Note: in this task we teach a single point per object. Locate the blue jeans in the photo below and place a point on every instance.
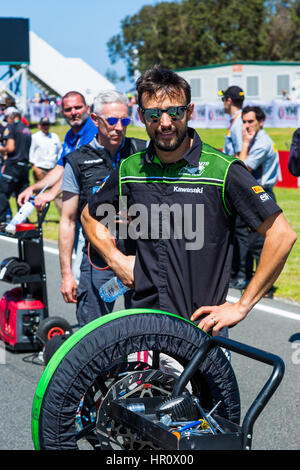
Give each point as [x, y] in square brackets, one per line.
[89, 303]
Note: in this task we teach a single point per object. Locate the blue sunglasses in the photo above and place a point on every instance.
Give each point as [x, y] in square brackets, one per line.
[112, 121]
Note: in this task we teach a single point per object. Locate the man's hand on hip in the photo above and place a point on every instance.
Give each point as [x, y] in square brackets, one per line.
[217, 317]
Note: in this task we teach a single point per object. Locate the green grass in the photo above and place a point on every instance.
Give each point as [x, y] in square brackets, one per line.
[215, 137]
[287, 285]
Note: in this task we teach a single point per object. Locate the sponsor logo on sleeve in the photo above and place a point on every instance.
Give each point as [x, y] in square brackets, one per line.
[258, 189]
[264, 197]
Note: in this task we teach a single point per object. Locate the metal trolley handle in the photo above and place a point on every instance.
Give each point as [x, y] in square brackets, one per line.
[42, 216]
[257, 354]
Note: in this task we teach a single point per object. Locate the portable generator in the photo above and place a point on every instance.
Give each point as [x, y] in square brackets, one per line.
[20, 317]
[23, 308]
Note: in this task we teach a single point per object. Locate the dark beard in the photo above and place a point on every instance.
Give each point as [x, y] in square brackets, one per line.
[168, 147]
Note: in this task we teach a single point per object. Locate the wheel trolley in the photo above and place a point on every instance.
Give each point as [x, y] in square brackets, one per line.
[95, 397]
[24, 309]
[179, 422]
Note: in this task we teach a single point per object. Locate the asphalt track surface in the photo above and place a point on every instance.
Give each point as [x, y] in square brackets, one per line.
[273, 326]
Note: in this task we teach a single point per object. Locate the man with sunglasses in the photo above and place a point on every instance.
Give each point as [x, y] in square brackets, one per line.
[85, 170]
[180, 180]
[233, 99]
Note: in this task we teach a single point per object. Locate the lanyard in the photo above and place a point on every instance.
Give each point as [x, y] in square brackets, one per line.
[235, 117]
[77, 143]
[116, 158]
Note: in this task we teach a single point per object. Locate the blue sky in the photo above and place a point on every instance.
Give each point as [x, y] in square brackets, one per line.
[78, 28]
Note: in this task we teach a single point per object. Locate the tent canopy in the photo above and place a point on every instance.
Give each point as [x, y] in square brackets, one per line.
[55, 74]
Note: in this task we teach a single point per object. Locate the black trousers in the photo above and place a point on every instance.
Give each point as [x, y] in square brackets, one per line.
[247, 247]
[241, 268]
[14, 180]
[256, 241]
[89, 303]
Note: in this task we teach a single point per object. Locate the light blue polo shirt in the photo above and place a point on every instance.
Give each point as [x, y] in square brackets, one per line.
[263, 159]
[233, 138]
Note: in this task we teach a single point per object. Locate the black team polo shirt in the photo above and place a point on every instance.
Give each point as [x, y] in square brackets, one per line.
[200, 194]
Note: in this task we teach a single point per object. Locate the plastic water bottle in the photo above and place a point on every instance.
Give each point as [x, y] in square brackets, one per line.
[24, 212]
[112, 289]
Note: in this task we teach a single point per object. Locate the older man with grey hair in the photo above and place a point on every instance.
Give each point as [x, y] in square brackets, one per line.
[85, 171]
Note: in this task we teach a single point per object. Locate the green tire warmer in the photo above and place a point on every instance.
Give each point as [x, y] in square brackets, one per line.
[93, 348]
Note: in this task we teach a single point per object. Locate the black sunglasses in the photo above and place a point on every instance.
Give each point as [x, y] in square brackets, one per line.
[176, 113]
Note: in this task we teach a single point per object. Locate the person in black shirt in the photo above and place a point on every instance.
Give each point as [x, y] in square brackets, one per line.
[294, 157]
[190, 194]
[14, 179]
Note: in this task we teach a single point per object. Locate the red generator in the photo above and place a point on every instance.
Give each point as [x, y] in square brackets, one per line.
[20, 317]
[25, 306]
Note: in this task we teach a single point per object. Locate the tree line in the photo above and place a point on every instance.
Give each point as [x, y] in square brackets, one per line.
[191, 33]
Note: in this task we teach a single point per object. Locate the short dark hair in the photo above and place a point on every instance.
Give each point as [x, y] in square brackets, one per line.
[238, 102]
[162, 80]
[10, 102]
[259, 114]
[73, 93]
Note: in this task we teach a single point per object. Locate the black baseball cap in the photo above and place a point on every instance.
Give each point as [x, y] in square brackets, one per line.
[44, 121]
[233, 92]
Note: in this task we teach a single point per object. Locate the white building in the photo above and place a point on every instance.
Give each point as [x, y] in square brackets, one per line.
[260, 80]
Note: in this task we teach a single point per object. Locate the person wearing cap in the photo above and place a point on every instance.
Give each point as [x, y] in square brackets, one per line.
[2, 111]
[260, 155]
[45, 149]
[10, 102]
[2, 122]
[16, 159]
[233, 99]
[44, 152]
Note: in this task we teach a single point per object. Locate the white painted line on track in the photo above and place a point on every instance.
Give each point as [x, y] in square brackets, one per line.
[269, 309]
[47, 249]
[264, 308]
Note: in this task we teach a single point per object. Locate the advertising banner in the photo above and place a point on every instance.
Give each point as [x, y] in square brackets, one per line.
[199, 119]
[36, 111]
[285, 114]
[215, 116]
[279, 113]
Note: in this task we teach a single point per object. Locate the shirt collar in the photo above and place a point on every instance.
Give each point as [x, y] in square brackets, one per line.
[258, 133]
[95, 144]
[75, 137]
[191, 156]
[235, 115]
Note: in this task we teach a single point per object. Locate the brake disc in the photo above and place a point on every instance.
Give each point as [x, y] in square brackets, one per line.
[115, 436]
[85, 420]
